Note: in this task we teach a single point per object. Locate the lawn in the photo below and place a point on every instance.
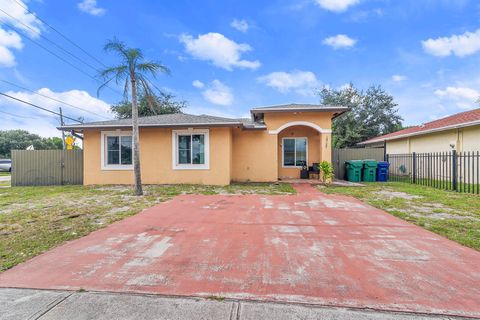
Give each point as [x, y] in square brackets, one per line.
[4, 173]
[36, 219]
[450, 214]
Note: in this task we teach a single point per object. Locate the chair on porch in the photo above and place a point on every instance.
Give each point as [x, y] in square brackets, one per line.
[314, 170]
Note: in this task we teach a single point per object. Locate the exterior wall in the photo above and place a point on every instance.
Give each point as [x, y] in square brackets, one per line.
[471, 139]
[276, 120]
[435, 142]
[397, 146]
[313, 145]
[254, 156]
[465, 139]
[156, 160]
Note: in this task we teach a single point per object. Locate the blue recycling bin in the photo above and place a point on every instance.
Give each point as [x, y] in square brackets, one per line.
[382, 171]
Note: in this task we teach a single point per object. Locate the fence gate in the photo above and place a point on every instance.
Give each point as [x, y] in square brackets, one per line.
[342, 155]
[47, 167]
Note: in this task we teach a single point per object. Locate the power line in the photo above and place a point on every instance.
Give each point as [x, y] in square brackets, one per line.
[50, 41]
[53, 99]
[60, 33]
[37, 106]
[16, 115]
[63, 59]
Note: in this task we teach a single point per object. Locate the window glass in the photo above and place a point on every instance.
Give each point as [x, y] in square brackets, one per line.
[113, 148]
[126, 150]
[184, 149]
[119, 150]
[198, 149]
[294, 152]
[289, 152]
[300, 152]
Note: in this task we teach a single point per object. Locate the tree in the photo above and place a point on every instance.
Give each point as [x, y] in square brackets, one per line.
[21, 139]
[372, 113]
[53, 143]
[132, 72]
[160, 104]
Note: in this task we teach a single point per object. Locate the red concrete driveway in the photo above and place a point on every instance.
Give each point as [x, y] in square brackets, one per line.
[308, 248]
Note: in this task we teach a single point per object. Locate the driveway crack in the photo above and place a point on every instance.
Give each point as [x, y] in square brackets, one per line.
[50, 306]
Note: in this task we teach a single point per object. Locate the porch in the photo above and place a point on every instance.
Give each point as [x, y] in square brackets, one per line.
[302, 145]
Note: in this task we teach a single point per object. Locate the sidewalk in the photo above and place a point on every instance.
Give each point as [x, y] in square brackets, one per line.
[31, 304]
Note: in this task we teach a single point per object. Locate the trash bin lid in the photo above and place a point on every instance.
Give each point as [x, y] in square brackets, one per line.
[370, 163]
[354, 163]
[383, 164]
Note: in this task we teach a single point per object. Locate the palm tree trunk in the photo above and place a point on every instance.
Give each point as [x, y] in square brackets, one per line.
[136, 144]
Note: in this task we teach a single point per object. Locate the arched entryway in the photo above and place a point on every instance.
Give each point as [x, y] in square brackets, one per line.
[300, 144]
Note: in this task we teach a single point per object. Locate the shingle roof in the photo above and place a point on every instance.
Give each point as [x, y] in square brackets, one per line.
[299, 107]
[462, 119]
[169, 120]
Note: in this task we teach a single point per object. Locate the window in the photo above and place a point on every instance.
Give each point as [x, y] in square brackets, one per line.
[117, 150]
[190, 149]
[294, 152]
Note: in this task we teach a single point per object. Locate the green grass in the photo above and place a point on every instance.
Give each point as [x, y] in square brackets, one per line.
[4, 183]
[3, 173]
[450, 214]
[36, 219]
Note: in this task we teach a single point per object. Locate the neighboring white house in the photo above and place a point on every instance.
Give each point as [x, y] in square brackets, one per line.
[460, 131]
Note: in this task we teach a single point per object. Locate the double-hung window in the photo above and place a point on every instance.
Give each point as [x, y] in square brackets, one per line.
[294, 152]
[190, 149]
[117, 150]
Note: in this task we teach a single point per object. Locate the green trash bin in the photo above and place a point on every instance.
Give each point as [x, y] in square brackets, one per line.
[369, 173]
[354, 170]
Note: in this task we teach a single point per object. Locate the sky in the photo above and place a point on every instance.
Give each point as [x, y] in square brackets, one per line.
[227, 56]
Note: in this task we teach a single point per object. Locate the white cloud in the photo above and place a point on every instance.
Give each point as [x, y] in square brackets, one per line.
[44, 123]
[198, 84]
[9, 40]
[399, 78]
[20, 18]
[218, 49]
[240, 25]
[463, 97]
[90, 7]
[336, 5]
[340, 41]
[302, 82]
[460, 45]
[218, 93]
[74, 97]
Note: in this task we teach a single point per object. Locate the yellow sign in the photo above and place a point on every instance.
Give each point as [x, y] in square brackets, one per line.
[69, 141]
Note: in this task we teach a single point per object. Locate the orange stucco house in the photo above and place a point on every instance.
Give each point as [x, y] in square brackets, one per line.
[198, 149]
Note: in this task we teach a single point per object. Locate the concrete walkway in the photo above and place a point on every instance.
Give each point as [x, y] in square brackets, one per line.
[5, 178]
[19, 304]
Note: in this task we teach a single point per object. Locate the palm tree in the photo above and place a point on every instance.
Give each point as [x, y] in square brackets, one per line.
[132, 72]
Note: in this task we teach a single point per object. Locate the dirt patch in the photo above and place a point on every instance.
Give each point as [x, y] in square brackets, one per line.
[389, 194]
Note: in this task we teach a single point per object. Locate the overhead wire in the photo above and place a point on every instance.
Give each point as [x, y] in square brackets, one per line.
[60, 33]
[39, 107]
[53, 99]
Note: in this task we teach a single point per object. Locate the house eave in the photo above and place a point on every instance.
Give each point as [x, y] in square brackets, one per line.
[290, 110]
[176, 125]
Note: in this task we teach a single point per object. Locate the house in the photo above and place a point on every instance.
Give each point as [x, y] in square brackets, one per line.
[199, 149]
[460, 131]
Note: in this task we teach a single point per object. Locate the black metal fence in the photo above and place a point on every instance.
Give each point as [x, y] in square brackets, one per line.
[457, 171]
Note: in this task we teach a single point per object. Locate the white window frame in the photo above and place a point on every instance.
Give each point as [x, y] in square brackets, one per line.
[103, 140]
[295, 160]
[178, 166]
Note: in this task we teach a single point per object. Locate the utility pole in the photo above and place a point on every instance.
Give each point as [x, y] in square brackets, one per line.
[61, 124]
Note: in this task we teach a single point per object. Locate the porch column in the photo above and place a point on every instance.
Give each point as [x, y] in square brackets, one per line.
[326, 146]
